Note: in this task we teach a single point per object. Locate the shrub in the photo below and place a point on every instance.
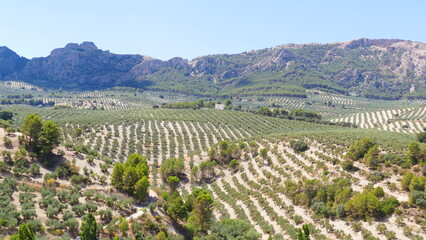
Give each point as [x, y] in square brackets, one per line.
[394, 158]
[77, 179]
[263, 153]
[34, 169]
[7, 142]
[61, 172]
[52, 212]
[390, 235]
[421, 137]
[234, 229]
[106, 214]
[67, 215]
[360, 148]
[356, 226]
[298, 219]
[224, 152]
[418, 198]
[79, 210]
[233, 164]
[152, 207]
[91, 206]
[4, 167]
[376, 176]
[348, 165]
[35, 225]
[299, 146]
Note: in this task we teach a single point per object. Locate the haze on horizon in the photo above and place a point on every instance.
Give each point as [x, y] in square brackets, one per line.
[188, 29]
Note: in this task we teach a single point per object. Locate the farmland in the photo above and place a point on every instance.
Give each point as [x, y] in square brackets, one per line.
[102, 128]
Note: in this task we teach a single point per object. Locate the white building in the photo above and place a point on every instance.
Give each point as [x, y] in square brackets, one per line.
[219, 106]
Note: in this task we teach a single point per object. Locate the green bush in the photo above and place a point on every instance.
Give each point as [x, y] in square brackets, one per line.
[131, 176]
[78, 179]
[299, 146]
[172, 167]
[376, 176]
[421, 137]
[418, 198]
[348, 165]
[233, 229]
[360, 148]
[233, 164]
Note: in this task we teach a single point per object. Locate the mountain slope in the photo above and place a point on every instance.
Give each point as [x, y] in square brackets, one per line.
[10, 62]
[78, 64]
[386, 69]
[381, 68]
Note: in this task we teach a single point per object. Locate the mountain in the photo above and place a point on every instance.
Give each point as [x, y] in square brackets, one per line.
[387, 69]
[10, 62]
[373, 68]
[77, 64]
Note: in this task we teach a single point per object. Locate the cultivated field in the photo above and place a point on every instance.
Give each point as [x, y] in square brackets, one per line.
[105, 127]
[407, 120]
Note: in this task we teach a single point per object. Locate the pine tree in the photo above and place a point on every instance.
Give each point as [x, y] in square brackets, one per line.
[141, 188]
[303, 233]
[117, 176]
[32, 128]
[203, 211]
[88, 228]
[177, 209]
[413, 153]
[50, 137]
[360, 148]
[371, 158]
[173, 183]
[25, 233]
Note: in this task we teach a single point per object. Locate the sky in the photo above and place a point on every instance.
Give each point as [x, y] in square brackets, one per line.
[191, 28]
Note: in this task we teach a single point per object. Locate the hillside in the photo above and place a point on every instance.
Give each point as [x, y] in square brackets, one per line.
[254, 166]
[265, 189]
[381, 68]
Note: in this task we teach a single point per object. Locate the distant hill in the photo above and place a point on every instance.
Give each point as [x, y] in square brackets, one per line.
[380, 68]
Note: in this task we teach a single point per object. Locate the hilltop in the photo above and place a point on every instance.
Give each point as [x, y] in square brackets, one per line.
[372, 68]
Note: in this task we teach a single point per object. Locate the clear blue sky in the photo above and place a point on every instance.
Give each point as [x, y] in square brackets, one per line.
[165, 29]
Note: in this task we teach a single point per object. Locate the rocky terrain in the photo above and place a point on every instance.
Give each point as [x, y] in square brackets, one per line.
[80, 64]
[380, 68]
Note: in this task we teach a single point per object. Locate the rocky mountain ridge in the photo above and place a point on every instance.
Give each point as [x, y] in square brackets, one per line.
[80, 64]
[376, 68]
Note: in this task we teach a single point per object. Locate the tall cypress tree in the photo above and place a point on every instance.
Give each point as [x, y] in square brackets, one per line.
[88, 228]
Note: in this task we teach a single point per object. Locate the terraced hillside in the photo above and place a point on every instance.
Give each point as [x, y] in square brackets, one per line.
[121, 98]
[256, 192]
[265, 185]
[407, 120]
[328, 104]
